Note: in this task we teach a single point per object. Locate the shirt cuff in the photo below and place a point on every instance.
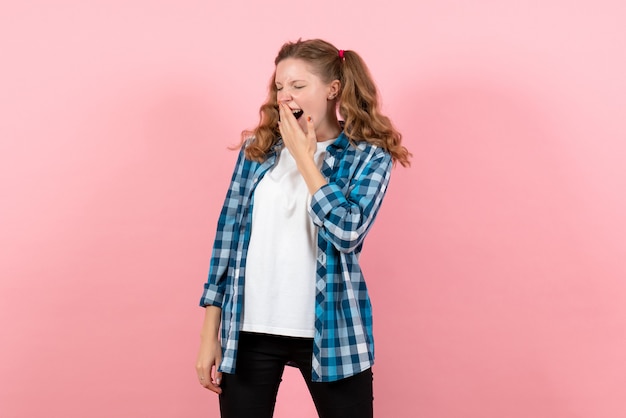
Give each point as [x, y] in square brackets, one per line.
[213, 295]
[324, 200]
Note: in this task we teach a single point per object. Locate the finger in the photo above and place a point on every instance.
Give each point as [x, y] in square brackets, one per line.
[213, 388]
[282, 112]
[280, 129]
[281, 119]
[208, 383]
[287, 116]
[216, 378]
[204, 376]
[214, 383]
[310, 129]
[204, 381]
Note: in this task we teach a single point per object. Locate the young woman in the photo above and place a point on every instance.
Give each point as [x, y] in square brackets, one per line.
[284, 282]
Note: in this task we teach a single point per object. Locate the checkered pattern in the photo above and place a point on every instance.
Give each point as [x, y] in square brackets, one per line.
[343, 210]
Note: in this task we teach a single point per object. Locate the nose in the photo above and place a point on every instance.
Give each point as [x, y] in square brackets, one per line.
[283, 96]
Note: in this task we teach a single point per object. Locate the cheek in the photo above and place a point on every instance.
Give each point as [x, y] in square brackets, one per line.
[311, 103]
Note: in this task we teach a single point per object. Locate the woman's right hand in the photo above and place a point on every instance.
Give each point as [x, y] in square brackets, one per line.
[210, 355]
[209, 359]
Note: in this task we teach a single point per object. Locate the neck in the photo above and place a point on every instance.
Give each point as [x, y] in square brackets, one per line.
[330, 130]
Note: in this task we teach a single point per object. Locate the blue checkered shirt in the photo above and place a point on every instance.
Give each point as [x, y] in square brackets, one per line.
[343, 210]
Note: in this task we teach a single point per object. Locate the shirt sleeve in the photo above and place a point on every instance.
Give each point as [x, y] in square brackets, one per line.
[215, 286]
[344, 218]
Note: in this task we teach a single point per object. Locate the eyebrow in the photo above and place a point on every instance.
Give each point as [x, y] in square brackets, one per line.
[293, 81]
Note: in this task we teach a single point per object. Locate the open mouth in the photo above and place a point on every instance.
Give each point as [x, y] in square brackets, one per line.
[297, 113]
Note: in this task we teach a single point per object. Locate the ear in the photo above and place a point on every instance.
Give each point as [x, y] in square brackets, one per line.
[333, 89]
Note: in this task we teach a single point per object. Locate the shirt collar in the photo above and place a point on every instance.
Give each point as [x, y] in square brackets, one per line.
[340, 143]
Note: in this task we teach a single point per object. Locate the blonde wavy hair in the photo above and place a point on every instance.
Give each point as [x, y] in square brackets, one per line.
[358, 102]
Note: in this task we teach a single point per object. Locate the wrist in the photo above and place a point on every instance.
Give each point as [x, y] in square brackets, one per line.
[209, 337]
[305, 163]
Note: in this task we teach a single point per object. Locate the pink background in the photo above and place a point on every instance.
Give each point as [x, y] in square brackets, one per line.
[497, 265]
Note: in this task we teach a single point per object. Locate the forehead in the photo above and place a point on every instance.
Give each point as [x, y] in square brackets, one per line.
[294, 69]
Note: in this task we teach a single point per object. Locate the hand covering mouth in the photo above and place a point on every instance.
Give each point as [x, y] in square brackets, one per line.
[297, 113]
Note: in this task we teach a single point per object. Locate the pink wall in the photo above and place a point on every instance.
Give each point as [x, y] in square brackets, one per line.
[497, 263]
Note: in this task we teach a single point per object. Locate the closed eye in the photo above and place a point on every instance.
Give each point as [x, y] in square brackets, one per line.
[295, 87]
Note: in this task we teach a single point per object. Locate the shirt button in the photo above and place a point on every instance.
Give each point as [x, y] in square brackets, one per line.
[322, 258]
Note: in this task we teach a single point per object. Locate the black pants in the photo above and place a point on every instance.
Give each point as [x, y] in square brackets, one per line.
[261, 359]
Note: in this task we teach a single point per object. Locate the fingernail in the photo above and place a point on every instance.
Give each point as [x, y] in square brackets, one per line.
[308, 118]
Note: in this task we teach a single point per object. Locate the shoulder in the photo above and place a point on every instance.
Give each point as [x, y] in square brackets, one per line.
[365, 151]
[359, 145]
[370, 148]
[360, 160]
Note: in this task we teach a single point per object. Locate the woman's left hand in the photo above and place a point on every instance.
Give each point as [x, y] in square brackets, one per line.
[300, 145]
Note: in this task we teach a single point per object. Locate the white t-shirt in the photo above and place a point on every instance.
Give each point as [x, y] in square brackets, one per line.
[279, 293]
